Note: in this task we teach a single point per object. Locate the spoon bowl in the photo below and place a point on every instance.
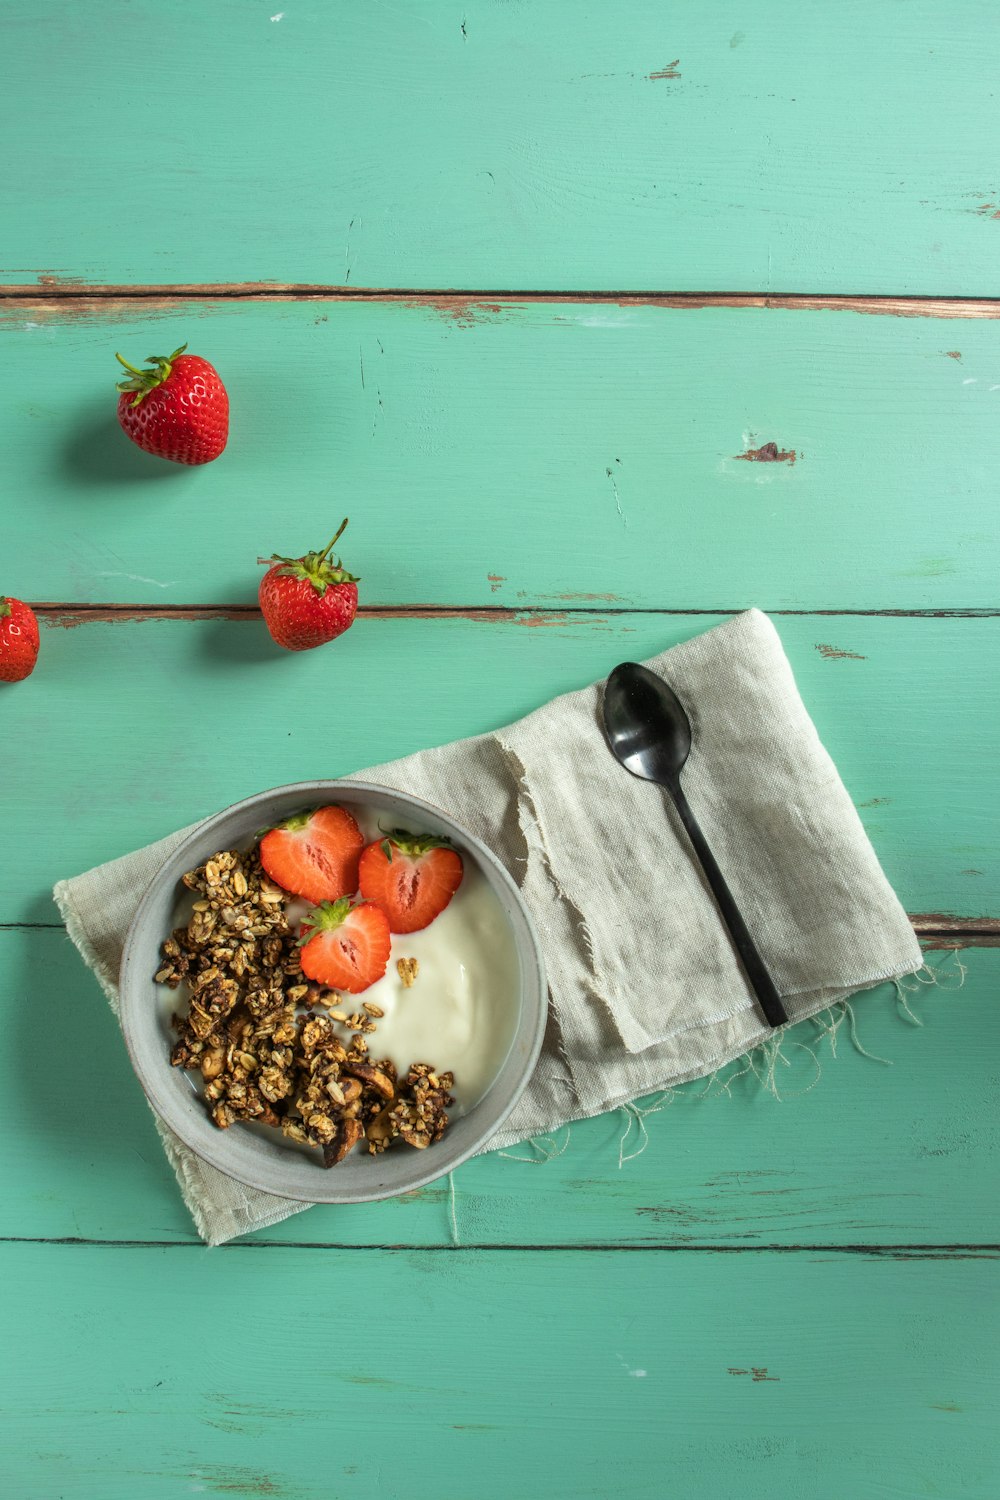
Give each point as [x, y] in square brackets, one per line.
[647, 727]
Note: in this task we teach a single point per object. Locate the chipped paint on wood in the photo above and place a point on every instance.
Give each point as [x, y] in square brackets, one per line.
[544, 619]
[69, 616]
[235, 1480]
[953, 353]
[768, 453]
[940, 942]
[59, 281]
[488, 304]
[834, 653]
[463, 310]
[590, 598]
[670, 71]
[939, 931]
[943, 921]
[52, 312]
[495, 581]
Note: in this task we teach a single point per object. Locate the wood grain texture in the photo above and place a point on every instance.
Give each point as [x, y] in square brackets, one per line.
[516, 454]
[854, 1152]
[699, 1375]
[417, 144]
[139, 728]
[84, 299]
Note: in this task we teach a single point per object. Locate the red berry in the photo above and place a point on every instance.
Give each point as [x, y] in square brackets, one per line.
[308, 600]
[315, 855]
[345, 947]
[18, 640]
[411, 879]
[178, 409]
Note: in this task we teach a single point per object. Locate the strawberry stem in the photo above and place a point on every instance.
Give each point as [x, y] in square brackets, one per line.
[141, 382]
[330, 545]
[321, 570]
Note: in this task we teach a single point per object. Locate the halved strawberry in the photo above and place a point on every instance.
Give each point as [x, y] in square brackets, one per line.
[345, 947]
[412, 878]
[315, 854]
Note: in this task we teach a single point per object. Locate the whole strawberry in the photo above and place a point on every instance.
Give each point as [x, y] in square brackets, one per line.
[178, 409]
[18, 640]
[308, 600]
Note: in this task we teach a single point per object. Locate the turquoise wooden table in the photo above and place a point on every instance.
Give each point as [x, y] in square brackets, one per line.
[602, 323]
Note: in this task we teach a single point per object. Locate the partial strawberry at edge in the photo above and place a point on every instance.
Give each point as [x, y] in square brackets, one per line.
[307, 601]
[18, 640]
[411, 878]
[345, 947]
[178, 409]
[314, 854]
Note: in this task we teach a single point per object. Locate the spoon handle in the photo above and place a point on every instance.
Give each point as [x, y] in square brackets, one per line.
[760, 979]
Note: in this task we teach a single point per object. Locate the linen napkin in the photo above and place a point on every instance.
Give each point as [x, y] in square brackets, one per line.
[645, 987]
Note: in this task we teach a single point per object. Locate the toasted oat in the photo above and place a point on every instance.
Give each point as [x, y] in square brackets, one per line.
[260, 1057]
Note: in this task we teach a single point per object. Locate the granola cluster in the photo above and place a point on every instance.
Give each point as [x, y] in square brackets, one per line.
[253, 1032]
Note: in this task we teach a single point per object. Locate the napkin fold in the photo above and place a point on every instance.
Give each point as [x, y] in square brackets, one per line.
[645, 987]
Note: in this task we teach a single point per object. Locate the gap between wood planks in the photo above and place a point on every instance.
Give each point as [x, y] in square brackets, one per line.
[71, 614]
[985, 1251]
[77, 298]
[936, 930]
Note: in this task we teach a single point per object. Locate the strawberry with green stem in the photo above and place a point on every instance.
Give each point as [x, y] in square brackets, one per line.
[314, 854]
[178, 409]
[411, 877]
[18, 640]
[307, 601]
[345, 947]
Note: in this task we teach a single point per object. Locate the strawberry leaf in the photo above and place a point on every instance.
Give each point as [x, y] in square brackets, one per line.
[413, 844]
[324, 918]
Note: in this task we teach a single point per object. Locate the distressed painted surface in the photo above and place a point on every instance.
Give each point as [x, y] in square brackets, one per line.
[139, 728]
[414, 143]
[876, 1153]
[517, 453]
[499, 1374]
[517, 473]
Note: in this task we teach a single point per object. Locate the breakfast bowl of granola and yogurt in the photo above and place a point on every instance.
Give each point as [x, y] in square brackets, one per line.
[333, 992]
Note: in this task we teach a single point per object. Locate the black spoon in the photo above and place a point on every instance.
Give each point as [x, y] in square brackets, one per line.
[650, 734]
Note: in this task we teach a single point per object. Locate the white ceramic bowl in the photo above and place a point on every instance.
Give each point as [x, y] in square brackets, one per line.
[262, 1159]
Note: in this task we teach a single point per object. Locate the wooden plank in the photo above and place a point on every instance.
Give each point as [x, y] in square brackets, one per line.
[511, 453]
[870, 1154]
[134, 729]
[498, 1374]
[410, 144]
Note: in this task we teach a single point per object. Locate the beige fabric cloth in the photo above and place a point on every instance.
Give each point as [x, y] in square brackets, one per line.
[645, 988]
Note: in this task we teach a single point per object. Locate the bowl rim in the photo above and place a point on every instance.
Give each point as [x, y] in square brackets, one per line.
[532, 1019]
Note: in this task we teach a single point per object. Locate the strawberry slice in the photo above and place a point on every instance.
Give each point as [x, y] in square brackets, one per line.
[315, 854]
[412, 878]
[345, 947]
